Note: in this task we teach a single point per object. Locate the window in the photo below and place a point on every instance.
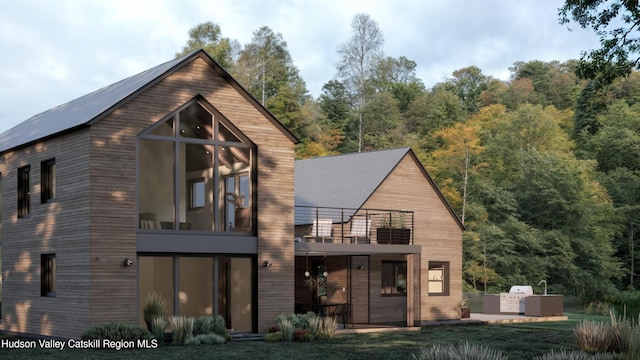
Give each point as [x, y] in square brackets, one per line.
[195, 172]
[197, 193]
[48, 181]
[438, 278]
[24, 191]
[394, 278]
[48, 275]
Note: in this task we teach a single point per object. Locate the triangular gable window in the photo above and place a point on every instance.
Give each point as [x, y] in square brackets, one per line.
[195, 173]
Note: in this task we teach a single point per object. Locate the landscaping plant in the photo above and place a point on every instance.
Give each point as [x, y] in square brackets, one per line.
[573, 355]
[182, 328]
[116, 331]
[593, 336]
[459, 351]
[154, 307]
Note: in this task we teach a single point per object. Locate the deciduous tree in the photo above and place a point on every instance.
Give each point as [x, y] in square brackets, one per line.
[617, 23]
[358, 59]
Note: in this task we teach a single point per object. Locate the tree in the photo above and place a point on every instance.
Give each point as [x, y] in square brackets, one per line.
[459, 157]
[617, 143]
[624, 187]
[335, 104]
[208, 36]
[616, 23]
[398, 76]
[468, 83]
[359, 57]
[266, 70]
[554, 83]
[382, 129]
[434, 110]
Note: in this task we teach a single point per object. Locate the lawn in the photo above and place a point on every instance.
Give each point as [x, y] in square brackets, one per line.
[518, 341]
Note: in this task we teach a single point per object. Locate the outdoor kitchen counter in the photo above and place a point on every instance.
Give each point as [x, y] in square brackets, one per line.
[543, 305]
[491, 304]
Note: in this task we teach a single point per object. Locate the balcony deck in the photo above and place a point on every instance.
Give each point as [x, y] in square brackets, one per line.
[365, 231]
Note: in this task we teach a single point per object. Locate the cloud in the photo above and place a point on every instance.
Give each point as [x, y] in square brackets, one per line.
[56, 51]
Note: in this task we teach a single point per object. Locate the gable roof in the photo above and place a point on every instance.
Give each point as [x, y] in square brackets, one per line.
[94, 106]
[347, 181]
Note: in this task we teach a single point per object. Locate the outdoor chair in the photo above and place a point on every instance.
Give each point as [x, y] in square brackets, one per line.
[341, 311]
[360, 229]
[320, 230]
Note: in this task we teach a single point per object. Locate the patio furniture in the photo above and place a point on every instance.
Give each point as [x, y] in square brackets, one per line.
[360, 229]
[340, 310]
[320, 230]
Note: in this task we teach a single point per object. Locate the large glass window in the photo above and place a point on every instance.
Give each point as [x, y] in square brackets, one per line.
[195, 173]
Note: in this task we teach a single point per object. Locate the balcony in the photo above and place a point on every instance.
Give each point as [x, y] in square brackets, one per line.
[353, 226]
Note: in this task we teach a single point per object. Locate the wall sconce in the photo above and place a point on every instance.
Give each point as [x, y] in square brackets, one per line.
[267, 263]
[127, 262]
[361, 267]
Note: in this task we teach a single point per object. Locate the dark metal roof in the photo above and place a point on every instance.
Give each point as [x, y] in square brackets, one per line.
[347, 181]
[343, 181]
[81, 110]
[92, 107]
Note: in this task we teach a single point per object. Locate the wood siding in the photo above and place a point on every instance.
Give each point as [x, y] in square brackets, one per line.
[93, 223]
[59, 227]
[435, 229]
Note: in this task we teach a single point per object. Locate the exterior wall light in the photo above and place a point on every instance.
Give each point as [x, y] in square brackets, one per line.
[267, 263]
[127, 262]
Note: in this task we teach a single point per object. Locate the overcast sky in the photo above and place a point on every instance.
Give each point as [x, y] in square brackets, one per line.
[52, 51]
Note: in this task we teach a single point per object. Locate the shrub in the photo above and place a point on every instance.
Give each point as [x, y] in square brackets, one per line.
[286, 329]
[573, 355]
[593, 336]
[220, 327]
[302, 335]
[625, 336]
[211, 325]
[274, 336]
[328, 326]
[458, 351]
[117, 331]
[182, 327]
[158, 325]
[299, 321]
[203, 325]
[305, 318]
[207, 339]
[274, 328]
[154, 307]
[597, 308]
[626, 302]
[314, 325]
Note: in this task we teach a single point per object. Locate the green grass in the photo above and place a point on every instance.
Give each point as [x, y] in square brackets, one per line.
[517, 341]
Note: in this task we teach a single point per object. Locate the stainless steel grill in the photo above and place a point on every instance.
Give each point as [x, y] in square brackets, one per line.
[513, 301]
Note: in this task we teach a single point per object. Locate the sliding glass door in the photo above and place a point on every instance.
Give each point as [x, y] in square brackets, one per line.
[201, 285]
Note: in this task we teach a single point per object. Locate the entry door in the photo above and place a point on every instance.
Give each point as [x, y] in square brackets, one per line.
[235, 292]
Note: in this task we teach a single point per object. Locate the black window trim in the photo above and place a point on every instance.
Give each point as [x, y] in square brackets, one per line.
[445, 278]
[48, 265]
[48, 181]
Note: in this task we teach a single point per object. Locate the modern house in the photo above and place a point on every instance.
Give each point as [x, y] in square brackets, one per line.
[392, 249]
[177, 181]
